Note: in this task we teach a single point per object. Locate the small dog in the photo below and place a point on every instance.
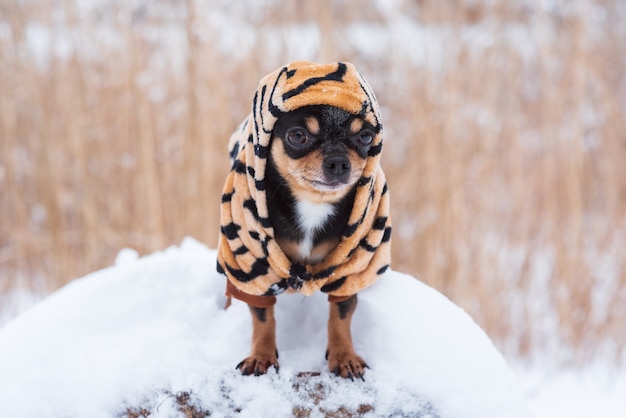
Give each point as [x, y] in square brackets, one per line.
[323, 199]
[317, 155]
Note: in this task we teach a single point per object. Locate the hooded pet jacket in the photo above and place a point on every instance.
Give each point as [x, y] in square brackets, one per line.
[256, 267]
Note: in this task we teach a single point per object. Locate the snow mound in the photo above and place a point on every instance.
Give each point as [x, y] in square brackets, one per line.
[150, 336]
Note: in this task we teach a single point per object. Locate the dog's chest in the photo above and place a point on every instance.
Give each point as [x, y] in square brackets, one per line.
[311, 217]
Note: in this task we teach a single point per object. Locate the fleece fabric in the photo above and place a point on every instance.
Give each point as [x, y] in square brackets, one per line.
[248, 254]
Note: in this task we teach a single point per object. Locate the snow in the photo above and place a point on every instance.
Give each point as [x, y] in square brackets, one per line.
[136, 334]
[596, 390]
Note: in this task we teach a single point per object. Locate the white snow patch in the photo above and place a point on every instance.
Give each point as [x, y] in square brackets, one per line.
[595, 390]
[126, 255]
[128, 335]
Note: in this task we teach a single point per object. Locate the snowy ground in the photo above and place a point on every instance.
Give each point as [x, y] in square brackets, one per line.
[138, 333]
[595, 391]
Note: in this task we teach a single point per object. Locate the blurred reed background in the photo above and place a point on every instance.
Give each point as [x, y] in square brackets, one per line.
[504, 124]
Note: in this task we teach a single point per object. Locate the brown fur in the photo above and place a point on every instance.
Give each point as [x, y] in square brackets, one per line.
[342, 359]
[319, 252]
[313, 125]
[263, 353]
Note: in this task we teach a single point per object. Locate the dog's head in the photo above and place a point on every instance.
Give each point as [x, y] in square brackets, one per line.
[320, 151]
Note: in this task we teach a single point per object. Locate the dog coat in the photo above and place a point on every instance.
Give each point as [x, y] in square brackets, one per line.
[248, 254]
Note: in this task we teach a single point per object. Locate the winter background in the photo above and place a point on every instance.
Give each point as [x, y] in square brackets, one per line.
[505, 155]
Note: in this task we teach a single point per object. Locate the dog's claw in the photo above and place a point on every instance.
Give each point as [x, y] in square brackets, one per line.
[347, 365]
[257, 365]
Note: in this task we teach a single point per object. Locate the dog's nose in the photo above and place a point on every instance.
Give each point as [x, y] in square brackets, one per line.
[336, 167]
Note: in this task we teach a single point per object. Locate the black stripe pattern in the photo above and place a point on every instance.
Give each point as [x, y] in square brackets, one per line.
[248, 253]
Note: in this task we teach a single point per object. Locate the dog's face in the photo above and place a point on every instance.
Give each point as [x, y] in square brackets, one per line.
[321, 151]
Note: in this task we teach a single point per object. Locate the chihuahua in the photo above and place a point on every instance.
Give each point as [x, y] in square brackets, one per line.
[306, 205]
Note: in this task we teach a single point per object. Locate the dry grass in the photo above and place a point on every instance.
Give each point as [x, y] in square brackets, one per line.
[507, 168]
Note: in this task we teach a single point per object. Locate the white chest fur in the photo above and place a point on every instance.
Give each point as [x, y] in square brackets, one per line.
[311, 217]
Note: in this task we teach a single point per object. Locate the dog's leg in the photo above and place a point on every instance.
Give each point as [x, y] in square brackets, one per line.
[342, 360]
[263, 354]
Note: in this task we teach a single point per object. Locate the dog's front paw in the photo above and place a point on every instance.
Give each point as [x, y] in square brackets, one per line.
[258, 364]
[346, 364]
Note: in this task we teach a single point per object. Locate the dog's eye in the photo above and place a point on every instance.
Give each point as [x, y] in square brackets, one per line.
[364, 138]
[297, 137]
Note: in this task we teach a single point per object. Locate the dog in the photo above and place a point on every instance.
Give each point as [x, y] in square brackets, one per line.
[305, 207]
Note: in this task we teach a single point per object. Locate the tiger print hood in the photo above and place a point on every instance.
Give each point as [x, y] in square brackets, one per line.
[247, 251]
